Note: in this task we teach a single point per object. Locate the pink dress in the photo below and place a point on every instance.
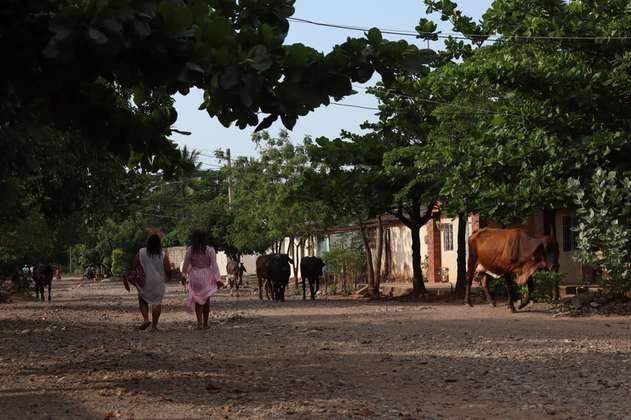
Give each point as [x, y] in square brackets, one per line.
[203, 276]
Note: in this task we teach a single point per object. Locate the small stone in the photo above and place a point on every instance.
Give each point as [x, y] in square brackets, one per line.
[594, 304]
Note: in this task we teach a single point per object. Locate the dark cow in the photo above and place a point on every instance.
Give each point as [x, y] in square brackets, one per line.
[274, 269]
[311, 269]
[235, 272]
[510, 252]
[43, 276]
[262, 275]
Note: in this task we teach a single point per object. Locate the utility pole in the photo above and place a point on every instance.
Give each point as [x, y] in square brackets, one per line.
[229, 159]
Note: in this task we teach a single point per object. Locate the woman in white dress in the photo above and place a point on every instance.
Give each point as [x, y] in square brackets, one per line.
[155, 264]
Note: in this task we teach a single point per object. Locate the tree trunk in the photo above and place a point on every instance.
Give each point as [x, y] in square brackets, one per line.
[371, 270]
[300, 254]
[462, 254]
[418, 285]
[291, 250]
[379, 256]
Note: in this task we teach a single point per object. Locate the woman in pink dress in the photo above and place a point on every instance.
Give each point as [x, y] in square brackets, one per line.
[202, 272]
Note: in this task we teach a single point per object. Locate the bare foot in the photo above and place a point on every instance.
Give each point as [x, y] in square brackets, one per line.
[154, 329]
[199, 327]
[144, 325]
[205, 327]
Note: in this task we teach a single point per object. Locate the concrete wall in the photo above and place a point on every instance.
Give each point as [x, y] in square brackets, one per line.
[401, 249]
[399, 266]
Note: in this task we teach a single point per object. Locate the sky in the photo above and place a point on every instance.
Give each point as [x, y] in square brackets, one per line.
[209, 135]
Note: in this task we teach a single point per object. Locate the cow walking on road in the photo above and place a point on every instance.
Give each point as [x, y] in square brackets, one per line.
[262, 276]
[273, 273]
[42, 277]
[510, 252]
[311, 270]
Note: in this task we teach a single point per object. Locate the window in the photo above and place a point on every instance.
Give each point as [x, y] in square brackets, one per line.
[569, 235]
[448, 236]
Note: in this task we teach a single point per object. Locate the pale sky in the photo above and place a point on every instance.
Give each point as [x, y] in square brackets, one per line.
[208, 134]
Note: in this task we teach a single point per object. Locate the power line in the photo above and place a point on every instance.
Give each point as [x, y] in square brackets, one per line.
[208, 156]
[356, 106]
[453, 35]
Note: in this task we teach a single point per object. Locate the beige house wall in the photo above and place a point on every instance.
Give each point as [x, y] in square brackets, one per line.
[401, 246]
[400, 253]
[449, 260]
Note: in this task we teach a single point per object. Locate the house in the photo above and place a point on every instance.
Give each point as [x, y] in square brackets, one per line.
[439, 247]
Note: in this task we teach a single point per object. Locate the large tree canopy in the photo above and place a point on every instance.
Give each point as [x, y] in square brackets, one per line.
[76, 65]
[539, 95]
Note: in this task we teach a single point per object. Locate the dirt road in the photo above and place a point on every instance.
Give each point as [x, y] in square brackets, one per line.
[79, 357]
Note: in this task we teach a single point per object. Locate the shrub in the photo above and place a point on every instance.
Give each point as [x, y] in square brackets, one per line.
[171, 239]
[546, 284]
[344, 262]
[604, 229]
[76, 254]
[332, 289]
[120, 261]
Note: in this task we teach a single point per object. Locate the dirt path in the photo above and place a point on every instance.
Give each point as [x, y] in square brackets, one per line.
[79, 357]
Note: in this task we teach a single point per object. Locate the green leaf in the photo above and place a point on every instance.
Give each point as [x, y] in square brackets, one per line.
[97, 36]
[259, 59]
[374, 36]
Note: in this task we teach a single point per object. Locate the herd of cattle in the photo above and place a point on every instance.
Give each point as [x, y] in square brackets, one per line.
[510, 253]
[273, 272]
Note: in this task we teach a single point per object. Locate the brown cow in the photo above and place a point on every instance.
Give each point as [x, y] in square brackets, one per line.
[511, 252]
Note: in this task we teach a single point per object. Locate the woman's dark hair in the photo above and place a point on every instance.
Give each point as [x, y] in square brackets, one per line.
[154, 246]
[198, 242]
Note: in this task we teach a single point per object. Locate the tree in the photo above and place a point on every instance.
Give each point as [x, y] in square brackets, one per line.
[28, 242]
[375, 181]
[353, 194]
[93, 81]
[270, 199]
[77, 66]
[604, 229]
[527, 103]
[547, 101]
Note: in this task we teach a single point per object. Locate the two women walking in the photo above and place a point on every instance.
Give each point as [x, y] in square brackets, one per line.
[199, 268]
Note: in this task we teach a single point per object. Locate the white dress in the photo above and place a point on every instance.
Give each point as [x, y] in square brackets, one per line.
[155, 277]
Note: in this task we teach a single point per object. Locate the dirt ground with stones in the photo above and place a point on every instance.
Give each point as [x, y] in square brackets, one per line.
[80, 357]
